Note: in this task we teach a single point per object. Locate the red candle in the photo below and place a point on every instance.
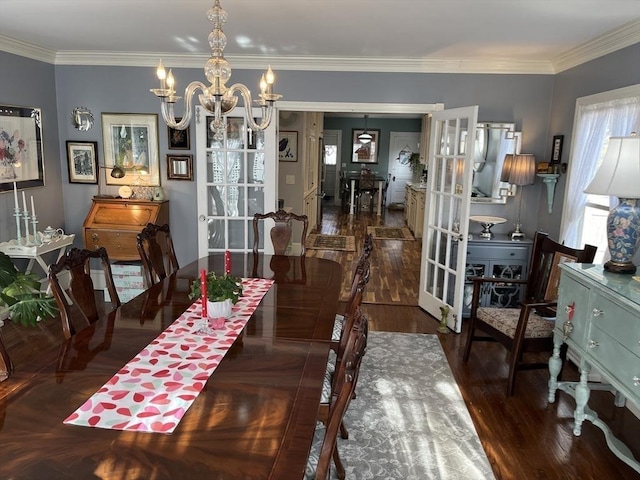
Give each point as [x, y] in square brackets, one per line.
[227, 262]
[203, 291]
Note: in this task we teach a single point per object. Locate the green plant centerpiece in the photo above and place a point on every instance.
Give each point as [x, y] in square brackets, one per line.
[220, 289]
[20, 294]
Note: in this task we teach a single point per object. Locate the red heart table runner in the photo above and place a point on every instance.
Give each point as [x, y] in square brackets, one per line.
[153, 391]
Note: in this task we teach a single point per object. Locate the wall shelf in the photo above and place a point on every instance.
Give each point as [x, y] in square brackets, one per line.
[550, 180]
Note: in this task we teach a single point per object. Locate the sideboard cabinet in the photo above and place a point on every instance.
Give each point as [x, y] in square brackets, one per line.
[495, 257]
[114, 223]
[599, 319]
[414, 205]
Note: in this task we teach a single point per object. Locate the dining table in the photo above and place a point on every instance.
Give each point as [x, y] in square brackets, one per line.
[253, 418]
[354, 180]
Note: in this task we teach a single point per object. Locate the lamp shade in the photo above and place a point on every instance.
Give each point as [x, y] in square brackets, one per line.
[619, 174]
[506, 167]
[523, 169]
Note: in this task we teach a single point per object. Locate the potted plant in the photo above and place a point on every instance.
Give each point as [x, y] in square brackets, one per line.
[20, 295]
[223, 291]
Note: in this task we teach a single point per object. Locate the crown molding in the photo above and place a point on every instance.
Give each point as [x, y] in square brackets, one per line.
[616, 39]
[609, 42]
[28, 50]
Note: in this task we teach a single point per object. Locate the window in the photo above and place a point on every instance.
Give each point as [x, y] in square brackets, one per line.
[597, 117]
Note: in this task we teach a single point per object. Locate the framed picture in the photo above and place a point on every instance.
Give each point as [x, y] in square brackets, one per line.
[82, 160]
[180, 167]
[178, 139]
[130, 141]
[365, 152]
[21, 154]
[288, 146]
[556, 148]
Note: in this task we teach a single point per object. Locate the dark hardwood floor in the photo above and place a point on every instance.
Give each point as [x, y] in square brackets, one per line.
[524, 436]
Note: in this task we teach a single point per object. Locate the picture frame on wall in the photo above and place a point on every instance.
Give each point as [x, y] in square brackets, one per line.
[288, 146]
[178, 139]
[180, 167]
[21, 152]
[82, 162]
[365, 152]
[556, 148]
[130, 141]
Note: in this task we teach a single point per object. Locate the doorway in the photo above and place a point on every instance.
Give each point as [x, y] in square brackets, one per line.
[401, 146]
[332, 143]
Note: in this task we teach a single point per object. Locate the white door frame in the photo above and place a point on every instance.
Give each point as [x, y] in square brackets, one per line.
[336, 186]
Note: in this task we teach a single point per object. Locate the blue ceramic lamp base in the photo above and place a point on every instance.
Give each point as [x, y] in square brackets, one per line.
[623, 233]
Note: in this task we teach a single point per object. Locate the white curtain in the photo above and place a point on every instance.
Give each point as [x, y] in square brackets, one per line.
[595, 124]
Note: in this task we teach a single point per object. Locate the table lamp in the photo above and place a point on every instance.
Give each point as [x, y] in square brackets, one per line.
[619, 176]
[521, 171]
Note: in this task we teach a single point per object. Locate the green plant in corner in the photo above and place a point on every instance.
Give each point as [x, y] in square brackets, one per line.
[20, 294]
[219, 288]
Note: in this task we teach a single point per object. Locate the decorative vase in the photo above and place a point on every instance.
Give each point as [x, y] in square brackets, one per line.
[219, 309]
[623, 228]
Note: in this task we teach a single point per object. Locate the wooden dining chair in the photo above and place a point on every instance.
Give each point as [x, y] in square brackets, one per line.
[6, 366]
[281, 231]
[345, 378]
[79, 299]
[528, 328]
[157, 253]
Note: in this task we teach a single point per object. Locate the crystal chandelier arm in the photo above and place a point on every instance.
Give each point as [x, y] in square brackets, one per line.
[167, 106]
[266, 106]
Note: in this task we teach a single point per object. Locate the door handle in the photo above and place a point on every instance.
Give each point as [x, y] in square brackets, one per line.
[202, 218]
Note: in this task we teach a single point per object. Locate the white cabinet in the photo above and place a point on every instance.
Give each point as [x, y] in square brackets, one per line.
[424, 139]
[415, 197]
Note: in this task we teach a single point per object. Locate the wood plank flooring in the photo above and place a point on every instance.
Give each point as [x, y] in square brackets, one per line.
[524, 436]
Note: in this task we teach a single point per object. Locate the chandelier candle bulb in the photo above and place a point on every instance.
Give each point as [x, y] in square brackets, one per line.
[162, 75]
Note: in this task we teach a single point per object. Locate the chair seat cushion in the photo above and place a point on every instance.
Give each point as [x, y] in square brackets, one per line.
[505, 320]
[328, 378]
[337, 327]
[314, 453]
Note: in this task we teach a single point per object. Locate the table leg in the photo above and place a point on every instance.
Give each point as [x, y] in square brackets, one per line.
[582, 397]
[379, 197]
[353, 189]
[555, 366]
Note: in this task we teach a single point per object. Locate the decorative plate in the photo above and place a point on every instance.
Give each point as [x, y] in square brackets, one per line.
[125, 191]
[487, 219]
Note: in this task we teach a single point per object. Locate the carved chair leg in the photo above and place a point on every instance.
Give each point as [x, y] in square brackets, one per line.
[338, 463]
[343, 431]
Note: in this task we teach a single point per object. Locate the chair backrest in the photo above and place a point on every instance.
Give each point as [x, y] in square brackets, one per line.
[367, 183]
[81, 293]
[544, 273]
[156, 251]
[281, 232]
[344, 383]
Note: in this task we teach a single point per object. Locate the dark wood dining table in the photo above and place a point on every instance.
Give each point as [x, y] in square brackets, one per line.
[254, 419]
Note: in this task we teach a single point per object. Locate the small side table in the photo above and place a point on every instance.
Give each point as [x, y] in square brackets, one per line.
[35, 252]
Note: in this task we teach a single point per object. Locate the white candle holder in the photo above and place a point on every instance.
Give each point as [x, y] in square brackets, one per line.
[26, 216]
[18, 215]
[34, 223]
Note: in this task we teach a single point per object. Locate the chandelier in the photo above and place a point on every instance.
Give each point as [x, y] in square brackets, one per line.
[217, 99]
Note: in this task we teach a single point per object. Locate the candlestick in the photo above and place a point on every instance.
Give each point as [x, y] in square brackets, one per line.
[203, 292]
[34, 223]
[17, 215]
[227, 262]
[15, 197]
[25, 215]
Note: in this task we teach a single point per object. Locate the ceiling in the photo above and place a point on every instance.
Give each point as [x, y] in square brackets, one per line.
[483, 36]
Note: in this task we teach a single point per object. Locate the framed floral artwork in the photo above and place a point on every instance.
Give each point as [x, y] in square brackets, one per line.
[21, 154]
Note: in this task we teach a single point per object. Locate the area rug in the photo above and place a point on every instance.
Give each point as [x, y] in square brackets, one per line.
[346, 243]
[409, 420]
[390, 233]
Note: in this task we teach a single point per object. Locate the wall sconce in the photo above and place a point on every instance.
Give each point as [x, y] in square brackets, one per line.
[550, 180]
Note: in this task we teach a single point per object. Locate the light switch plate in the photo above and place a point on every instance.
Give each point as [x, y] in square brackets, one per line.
[290, 179]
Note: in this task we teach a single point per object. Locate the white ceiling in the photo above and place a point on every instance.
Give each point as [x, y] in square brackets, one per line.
[493, 36]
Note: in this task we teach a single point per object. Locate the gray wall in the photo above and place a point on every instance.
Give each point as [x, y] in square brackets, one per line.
[540, 106]
[616, 70]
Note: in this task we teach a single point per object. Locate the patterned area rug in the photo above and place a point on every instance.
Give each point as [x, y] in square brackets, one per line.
[344, 243]
[409, 420]
[390, 233]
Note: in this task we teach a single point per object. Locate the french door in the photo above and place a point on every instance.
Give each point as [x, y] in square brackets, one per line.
[236, 177]
[442, 271]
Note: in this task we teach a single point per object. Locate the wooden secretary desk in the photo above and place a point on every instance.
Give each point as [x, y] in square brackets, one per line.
[114, 223]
